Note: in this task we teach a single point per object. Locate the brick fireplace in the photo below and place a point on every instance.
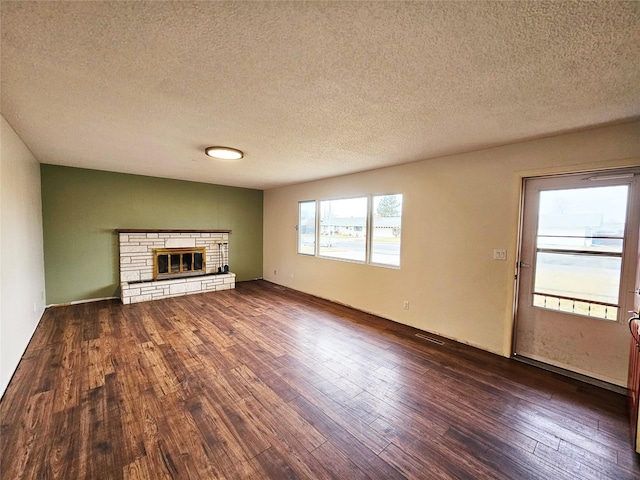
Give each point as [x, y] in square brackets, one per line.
[158, 264]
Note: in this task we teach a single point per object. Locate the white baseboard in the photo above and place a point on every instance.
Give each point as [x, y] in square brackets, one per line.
[76, 302]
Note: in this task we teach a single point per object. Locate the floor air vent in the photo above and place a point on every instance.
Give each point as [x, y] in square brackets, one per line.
[431, 339]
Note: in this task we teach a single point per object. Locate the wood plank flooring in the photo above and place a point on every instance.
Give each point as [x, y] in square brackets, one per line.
[264, 382]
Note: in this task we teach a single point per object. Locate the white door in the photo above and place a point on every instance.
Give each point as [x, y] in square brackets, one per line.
[577, 272]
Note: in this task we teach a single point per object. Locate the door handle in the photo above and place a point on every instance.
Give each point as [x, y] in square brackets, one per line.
[523, 265]
[635, 291]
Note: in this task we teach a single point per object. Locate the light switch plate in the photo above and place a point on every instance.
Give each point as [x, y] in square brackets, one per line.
[499, 254]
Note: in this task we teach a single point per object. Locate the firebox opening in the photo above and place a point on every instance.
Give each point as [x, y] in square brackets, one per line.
[178, 262]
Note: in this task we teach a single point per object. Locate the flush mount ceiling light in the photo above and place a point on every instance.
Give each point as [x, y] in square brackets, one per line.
[224, 153]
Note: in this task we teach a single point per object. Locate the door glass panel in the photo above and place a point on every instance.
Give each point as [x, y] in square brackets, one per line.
[579, 250]
[594, 279]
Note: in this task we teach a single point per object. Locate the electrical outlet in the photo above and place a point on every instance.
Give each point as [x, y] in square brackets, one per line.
[406, 305]
[499, 254]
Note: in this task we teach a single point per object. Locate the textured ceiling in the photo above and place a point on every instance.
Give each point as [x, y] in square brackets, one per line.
[307, 90]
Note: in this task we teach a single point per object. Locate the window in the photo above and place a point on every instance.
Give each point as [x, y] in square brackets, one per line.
[343, 229]
[307, 228]
[340, 229]
[386, 229]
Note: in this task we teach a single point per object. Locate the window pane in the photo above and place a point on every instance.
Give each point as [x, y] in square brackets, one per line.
[343, 228]
[307, 228]
[575, 306]
[387, 229]
[582, 277]
[583, 218]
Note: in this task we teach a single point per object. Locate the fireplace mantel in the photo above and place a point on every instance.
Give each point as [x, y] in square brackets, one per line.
[151, 230]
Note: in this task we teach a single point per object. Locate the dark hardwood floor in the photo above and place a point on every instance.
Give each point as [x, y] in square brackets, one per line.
[265, 382]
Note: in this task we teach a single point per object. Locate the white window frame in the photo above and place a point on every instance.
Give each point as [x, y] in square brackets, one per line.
[369, 225]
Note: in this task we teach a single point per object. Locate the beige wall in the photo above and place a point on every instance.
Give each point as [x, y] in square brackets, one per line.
[21, 250]
[456, 211]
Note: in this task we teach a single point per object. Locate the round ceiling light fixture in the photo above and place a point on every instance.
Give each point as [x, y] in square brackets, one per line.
[224, 153]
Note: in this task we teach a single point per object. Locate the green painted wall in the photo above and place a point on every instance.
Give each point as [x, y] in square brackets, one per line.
[82, 208]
